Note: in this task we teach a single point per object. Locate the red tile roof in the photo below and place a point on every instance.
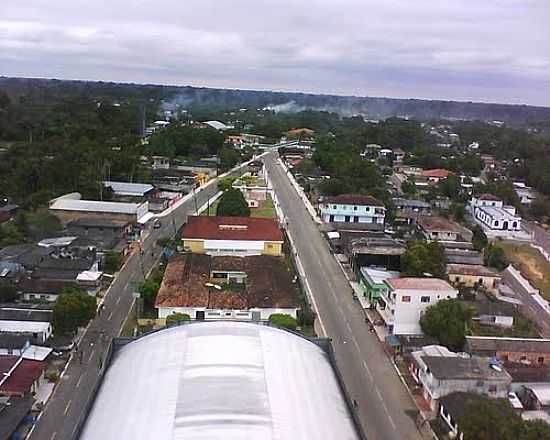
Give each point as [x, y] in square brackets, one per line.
[490, 197]
[268, 283]
[22, 377]
[354, 199]
[231, 228]
[438, 173]
[438, 224]
[419, 284]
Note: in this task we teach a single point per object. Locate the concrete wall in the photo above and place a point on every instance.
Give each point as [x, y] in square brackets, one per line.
[196, 246]
[470, 280]
[234, 247]
[225, 314]
[68, 216]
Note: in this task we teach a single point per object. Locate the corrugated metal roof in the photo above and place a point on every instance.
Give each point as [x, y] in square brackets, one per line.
[128, 189]
[94, 206]
[220, 380]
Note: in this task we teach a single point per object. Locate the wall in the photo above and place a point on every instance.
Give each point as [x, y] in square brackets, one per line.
[225, 314]
[43, 296]
[273, 248]
[67, 216]
[519, 356]
[196, 246]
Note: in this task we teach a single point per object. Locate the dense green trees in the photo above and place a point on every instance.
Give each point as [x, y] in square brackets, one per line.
[233, 204]
[177, 317]
[447, 321]
[494, 256]
[148, 290]
[186, 141]
[422, 258]
[112, 262]
[74, 308]
[479, 239]
[8, 293]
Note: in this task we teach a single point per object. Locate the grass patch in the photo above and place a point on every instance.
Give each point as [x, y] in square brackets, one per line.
[266, 209]
[522, 328]
[531, 263]
[212, 209]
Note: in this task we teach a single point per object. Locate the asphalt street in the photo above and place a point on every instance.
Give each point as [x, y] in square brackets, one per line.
[385, 409]
[66, 407]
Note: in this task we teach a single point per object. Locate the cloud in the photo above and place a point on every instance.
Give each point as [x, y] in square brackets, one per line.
[495, 50]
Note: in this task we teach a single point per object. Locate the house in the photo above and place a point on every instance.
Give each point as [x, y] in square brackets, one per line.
[528, 351]
[232, 236]
[244, 140]
[401, 306]
[440, 372]
[525, 193]
[104, 232]
[371, 282]
[380, 251]
[217, 125]
[353, 208]
[452, 408]
[471, 275]
[300, 133]
[32, 289]
[407, 211]
[13, 344]
[7, 211]
[226, 287]
[398, 154]
[489, 211]
[160, 162]
[70, 207]
[537, 397]
[20, 376]
[128, 189]
[436, 175]
[463, 256]
[438, 228]
[39, 331]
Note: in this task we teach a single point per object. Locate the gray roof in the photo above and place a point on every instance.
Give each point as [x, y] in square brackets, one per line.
[220, 380]
[28, 255]
[96, 223]
[410, 203]
[128, 189]
[475, 368]
[456, 403]
[17, 314]
[495, 344]
[13, 340]
[62, 204]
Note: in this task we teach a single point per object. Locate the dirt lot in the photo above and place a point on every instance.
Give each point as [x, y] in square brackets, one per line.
[531, 264]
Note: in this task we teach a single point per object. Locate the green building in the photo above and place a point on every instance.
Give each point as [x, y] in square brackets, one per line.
[371, 281]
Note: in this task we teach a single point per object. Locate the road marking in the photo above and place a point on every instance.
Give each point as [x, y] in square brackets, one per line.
[118, 300]
[53, 435]
[110, 315]
[91, 355]
[67, 407]
[368, 371]
[79, 379]
[348, 326]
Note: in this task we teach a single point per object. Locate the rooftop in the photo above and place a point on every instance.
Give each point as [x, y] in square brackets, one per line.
[489, 197]
[268, 283]
[244, 380]
[437, 173]
[354, 199]
[378, 275]
[128, 189]
[22, 377]
[499, 213]
[419, 284]
[62, 204]
[471, 269]
[97, 223]
[231, 228]
[456, 403]
[410, 203]
[541, 392]
[438, 224]
[24, 314]
[494, 344]
[14, 341]
[12, 412]
[459, 368]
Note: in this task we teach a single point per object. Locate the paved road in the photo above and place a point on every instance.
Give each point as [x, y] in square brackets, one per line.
[385, 409]
[67, 405]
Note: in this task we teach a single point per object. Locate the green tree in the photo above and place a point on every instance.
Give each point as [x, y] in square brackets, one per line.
[479, 239]
[228, 158]
[283, 320]
[148, 290]
[22, 224]
[177, 317]
[233, 204]
[113, 261]
[447, 322]
[10, 234]
[494, 256]
[8, 293]
[535, 430]
[74, 308]
[226, 183]
[490, 419]
[540, 207]
[422, 258]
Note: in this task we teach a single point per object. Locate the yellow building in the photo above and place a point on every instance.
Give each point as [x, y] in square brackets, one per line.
[471, 275]
[233, 236]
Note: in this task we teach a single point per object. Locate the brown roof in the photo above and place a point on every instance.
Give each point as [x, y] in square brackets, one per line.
[354, 199]
[471, 269]
[437, 173]
[495, 344]
[435, 223]
[419, 284]
[489, 197]
[22, 378]
[232, 228]
[268, 283]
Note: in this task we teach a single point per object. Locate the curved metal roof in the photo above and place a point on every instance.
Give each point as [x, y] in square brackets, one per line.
[223, 380]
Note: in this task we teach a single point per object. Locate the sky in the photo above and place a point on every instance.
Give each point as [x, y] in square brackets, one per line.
[467, 50]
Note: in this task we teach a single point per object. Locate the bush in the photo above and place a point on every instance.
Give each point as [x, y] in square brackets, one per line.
[113, 261]
[8, 293]
[177, 317]
[52, 376]
[283, 320]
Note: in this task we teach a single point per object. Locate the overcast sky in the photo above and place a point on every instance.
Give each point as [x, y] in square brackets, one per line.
[474, 50]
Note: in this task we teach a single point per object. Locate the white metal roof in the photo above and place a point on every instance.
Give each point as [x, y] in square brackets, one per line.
[94, 206]
[220, 380]
[36, 353]
[128, 189]
[24, 326]
[89, 275]
[218, 125]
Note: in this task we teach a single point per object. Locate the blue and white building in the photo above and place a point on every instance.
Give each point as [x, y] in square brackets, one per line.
[352, 208]
[491, 213]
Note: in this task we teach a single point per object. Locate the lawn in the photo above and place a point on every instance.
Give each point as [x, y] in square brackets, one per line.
[213, 207]
[266, 209]
[531, 263]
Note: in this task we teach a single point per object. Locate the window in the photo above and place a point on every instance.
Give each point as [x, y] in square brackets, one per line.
[270, 246]
[333, 206]
[356, 219]
[479, 383]
[425, 299]
[457, 279]
[540, 360]
[406, 299]
[355, 208]
[523, 358]
[492, 388]
[496, 223]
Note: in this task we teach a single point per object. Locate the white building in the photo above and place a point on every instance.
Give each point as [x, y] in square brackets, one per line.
[352, 208]
[39, 330]
[403, 303]
[490, 212]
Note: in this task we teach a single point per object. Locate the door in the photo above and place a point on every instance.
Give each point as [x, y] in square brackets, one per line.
[199, 315]
[256, 316]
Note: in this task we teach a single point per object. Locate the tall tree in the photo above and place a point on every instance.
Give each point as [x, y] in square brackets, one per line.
[233, 204]
[74, 308]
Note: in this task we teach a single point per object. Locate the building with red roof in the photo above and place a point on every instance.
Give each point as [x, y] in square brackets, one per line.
[436, 175]
[239, 236]
[19, 376]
